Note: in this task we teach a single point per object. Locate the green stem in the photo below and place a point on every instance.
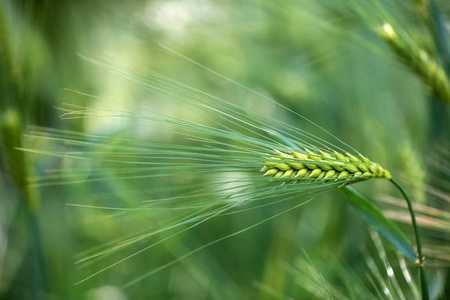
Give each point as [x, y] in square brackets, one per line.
[423, 279]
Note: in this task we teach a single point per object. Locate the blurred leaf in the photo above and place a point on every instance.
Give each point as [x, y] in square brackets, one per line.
[383, 225]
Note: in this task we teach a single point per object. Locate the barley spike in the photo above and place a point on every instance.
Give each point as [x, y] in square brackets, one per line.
[321, 166]
[427, 67]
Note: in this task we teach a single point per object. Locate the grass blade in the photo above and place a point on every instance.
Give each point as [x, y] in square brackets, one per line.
[383, 225]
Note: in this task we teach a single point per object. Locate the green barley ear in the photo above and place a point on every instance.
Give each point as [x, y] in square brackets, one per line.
[418, 60]
[323, 166]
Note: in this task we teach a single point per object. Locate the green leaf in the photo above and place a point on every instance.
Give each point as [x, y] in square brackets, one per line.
[383, 225]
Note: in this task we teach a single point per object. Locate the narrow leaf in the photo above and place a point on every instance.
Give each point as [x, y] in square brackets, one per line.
[383, 225]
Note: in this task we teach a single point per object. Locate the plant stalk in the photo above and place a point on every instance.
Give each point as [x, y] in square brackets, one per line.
[421, 259]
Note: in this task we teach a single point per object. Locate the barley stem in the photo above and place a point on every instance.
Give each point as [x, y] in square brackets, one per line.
[421, 259]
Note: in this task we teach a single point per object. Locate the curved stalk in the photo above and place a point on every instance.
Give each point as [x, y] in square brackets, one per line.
[421, 259]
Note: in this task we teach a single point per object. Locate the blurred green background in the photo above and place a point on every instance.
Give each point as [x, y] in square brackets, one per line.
[323, 59]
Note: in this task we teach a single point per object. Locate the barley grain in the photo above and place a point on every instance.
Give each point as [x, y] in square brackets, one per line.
[322, 166]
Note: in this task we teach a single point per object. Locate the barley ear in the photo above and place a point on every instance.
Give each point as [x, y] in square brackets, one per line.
[418, 60]
[322, 166]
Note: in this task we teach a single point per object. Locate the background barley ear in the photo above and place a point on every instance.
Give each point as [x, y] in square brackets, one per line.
[21, 254]
[419, 60]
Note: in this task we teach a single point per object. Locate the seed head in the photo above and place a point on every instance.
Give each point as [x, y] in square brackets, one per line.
[323, 166]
